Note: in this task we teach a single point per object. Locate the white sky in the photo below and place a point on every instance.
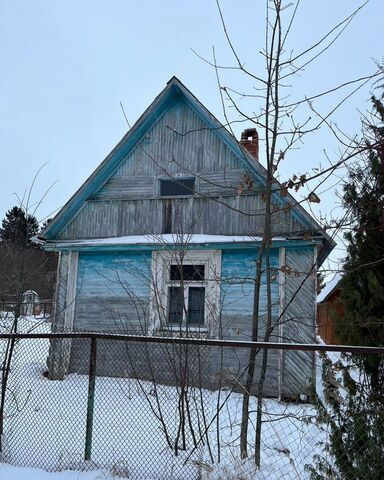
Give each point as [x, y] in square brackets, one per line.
[67, 64]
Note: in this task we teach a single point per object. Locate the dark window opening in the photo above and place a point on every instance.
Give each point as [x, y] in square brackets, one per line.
[167, 216]
[177, 187]
[188, 273]
[175, 305]
[196, 296]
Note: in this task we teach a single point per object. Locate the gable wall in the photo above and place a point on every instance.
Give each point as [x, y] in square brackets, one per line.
[128, 203]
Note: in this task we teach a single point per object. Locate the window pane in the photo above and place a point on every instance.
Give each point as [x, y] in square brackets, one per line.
[196, 296]
[189, 273]
[176, 187]
[175, 305]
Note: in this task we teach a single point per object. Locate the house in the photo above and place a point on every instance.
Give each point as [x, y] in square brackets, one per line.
[162, 239]
[329, 305]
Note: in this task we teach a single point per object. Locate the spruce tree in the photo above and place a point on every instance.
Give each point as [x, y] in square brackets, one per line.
[18, 228]
[352, 405]
[363, 280]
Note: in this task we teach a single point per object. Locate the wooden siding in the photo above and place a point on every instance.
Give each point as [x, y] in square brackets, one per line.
[237, 284]
[113, 294]
[327, 313]
[178, 144]
[141, 187]
[109, 280]
[235, 215]
[59, 351]
[299, 320]
[162, 364]
[237, 280]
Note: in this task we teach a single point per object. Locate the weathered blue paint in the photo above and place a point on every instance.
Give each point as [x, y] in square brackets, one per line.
[237, 282]
[112, 274]
[175, 91]
[121, 275]
[298, 368]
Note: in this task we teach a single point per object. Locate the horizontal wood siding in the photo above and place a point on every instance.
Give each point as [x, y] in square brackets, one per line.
[238, 280]
[113, 295]
[299, 321]
[125, 188]
[140, 187]
[113, 292]
[113, 289]
[164, 364]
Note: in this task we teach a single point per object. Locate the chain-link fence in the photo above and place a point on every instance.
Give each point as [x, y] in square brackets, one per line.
[40, 308]
[145, 407]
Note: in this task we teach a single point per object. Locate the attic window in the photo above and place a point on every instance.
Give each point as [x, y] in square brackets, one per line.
[176, 187]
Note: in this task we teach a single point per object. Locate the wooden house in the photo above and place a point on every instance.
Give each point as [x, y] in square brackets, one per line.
[162, 239]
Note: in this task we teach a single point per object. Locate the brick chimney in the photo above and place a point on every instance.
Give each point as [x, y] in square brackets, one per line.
[250, 141]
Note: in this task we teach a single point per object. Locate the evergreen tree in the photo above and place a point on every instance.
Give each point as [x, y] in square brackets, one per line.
[23, 264]
[18, 228]
[352, 406]
[45, 223]
[363, 281]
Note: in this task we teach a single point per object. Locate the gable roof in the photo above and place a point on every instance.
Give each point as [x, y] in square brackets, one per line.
[173, 90]
[330, 288]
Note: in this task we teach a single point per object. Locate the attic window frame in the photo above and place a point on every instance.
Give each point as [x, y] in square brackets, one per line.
[175, 179]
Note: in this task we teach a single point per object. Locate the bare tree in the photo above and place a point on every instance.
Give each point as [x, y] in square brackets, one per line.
[282, 125]
[23, 266]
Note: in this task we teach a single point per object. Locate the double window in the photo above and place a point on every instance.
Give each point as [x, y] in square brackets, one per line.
[186, 294]
[186, 290]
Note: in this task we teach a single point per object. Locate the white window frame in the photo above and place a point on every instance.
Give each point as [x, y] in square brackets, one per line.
[161, 262]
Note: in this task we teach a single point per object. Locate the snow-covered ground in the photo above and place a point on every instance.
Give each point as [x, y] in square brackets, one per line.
[10, 472]
[45, 427]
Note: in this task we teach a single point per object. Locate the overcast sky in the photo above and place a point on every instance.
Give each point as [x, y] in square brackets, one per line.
[66, 65]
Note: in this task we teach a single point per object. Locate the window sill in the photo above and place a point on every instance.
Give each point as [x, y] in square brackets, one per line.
[169, 197]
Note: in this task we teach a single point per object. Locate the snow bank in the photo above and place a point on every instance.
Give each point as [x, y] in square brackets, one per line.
[9, 472]
[45, 428]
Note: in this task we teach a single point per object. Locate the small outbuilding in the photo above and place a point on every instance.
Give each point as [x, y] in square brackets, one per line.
[30, 303]
[329, 307]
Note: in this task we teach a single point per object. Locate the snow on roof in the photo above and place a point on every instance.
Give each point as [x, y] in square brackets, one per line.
[329, 287]
[165, 239]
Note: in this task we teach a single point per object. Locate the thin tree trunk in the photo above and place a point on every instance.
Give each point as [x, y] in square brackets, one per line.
[252, 356]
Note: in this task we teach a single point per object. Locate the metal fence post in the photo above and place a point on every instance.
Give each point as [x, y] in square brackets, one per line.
[91, 400]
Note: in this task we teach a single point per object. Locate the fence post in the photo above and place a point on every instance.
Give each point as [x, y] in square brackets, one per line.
[91, 400]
